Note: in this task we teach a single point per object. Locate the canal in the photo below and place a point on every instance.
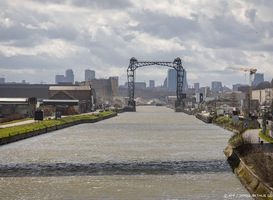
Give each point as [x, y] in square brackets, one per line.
[153, 153]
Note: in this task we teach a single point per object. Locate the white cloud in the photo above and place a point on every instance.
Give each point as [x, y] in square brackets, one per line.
[207, 35]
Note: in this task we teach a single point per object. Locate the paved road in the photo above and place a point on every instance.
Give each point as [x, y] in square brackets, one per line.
[252, 135]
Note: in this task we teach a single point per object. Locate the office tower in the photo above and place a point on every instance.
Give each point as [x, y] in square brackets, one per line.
[258, 78]
[196, 87]
[172, 79]
[152, 84]
[59, 79]
[2, 80]
[69, 76]
[89, 74]
[236, 87]
[185, 82]
[216, 86]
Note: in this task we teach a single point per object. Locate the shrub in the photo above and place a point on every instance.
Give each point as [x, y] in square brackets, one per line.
[12, 118]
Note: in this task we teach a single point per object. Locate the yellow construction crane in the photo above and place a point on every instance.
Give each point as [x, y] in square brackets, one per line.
[251, 72]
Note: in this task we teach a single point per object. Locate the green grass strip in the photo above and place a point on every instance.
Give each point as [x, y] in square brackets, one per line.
[266, 137]
[14, 130]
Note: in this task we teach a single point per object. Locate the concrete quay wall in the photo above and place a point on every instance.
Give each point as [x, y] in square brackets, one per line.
[256, 187]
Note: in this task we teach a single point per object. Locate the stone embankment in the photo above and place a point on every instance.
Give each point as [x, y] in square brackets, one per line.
[13, 138]
[256, 187]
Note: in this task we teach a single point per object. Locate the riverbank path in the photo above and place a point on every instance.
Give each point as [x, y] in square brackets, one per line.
[17, 123]
[32, 120]
[252, 135]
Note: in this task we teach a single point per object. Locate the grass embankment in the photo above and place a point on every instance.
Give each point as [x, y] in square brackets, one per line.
[266, 137]
[258, 158]
[15, 121]
[226, 122]
[14, 130]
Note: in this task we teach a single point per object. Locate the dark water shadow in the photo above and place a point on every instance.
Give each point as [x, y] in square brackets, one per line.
[124, 168]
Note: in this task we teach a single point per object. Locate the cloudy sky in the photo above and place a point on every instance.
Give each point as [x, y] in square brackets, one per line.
[42, 38]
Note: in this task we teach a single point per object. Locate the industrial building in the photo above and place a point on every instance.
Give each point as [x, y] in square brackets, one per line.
[105, 88]
[40, 91]
[81, 93]
[24, 106]
[265, 96]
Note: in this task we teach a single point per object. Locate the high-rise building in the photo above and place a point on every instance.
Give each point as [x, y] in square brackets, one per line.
[69, 76]
[165, 83]
[216, 86]
[236, 87]
[152, 84]
[2, 80]
[196, 87]
[59, 79]
[89, 74]
[172, 79]
[185, 82]
[258, 78]
[207, 91]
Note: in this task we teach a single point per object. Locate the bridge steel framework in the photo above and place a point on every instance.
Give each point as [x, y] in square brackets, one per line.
[176, 64]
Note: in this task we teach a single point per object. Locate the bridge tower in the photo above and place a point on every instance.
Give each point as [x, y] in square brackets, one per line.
[176, 64]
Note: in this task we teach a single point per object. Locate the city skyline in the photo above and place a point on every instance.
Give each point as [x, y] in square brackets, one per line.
[170, 78]
[40, 39]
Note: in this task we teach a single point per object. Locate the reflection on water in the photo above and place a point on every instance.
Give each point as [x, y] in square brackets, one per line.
[154, 153]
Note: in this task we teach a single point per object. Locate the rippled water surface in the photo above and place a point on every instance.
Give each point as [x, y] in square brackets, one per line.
[153, 153]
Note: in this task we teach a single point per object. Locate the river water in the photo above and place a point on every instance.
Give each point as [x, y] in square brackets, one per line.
[153, 153]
